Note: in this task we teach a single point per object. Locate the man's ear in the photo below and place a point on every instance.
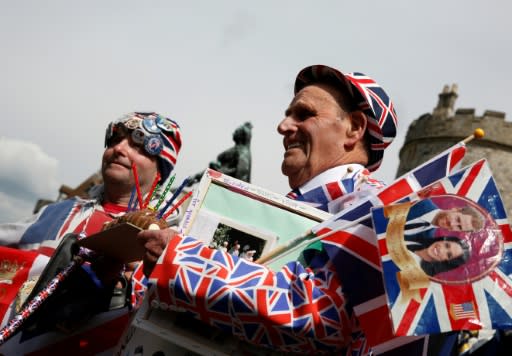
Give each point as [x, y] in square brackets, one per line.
[357, 127]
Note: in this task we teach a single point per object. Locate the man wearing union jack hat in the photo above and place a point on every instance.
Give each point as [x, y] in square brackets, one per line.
[149, 141]
[334, 133]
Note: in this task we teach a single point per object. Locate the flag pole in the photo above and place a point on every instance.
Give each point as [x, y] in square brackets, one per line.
[310, 237]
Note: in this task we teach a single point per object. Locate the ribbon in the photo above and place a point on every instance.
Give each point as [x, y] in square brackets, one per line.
[411, 277]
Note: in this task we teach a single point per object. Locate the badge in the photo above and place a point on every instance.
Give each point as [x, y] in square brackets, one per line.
[138, 136]
[150, 126]
[132, 123]
[165, 124]
[153, 145]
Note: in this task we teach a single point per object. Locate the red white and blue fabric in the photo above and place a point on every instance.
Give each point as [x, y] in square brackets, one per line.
[371, 99]
[482, 304]
[292, 310]
[326, 196]
[297, 309]
[37, 238]
[353, 247]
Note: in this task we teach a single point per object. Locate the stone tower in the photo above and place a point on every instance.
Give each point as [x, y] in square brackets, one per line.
[434, 132]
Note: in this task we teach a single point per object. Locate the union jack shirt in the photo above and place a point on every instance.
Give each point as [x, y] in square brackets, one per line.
[36, 239]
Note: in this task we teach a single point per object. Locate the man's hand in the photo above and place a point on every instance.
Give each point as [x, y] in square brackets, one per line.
[154, 242]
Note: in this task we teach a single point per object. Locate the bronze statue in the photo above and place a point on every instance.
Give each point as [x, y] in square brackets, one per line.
[235, 161]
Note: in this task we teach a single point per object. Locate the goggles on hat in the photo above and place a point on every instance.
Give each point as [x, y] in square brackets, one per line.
[145, 129]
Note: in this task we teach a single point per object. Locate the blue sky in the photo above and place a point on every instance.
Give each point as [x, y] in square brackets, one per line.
[69, 67]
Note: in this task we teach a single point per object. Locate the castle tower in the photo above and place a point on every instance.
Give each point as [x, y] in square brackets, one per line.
[432, 133]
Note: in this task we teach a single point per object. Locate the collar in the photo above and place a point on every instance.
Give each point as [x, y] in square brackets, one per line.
[330, 175]
[113, 209]
[429, 217]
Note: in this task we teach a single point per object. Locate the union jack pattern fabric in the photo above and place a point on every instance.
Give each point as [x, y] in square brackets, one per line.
[293, 310]
[372, 100]
[329, 197]
[33, 242]
[353, 248]
[296, 309]
[483, 298]
[377, 105]
[434, 169]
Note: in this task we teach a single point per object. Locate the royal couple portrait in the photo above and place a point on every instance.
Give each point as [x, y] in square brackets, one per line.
[439, 237]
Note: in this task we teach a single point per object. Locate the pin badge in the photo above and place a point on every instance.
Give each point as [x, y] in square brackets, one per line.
[153, 145]
[132, 123]
[138, 136]
[150, 126]
[165, 124]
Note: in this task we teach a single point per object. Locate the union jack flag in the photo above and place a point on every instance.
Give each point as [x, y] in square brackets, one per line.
[353, 247]
[480, 300]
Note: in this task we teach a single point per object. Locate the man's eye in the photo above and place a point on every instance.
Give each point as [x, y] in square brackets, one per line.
[303, 114]
[115, 140]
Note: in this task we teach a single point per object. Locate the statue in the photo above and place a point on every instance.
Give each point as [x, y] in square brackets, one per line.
[235, 161]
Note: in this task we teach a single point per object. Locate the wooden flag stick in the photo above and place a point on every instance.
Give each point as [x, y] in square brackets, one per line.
[308, 237]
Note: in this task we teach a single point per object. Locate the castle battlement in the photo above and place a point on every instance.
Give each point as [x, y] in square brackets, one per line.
[446, 122]
[434, 132]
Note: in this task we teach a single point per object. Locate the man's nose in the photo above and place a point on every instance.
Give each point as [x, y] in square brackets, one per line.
[286, 124]
[121, 146]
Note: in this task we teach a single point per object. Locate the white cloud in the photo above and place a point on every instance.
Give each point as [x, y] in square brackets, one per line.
[13, 209]
[26, 175]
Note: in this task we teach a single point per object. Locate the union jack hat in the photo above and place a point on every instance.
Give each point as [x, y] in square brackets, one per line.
[158, 135]
[370, 98]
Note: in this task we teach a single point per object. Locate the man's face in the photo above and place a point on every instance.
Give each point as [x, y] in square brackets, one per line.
[314, 131]
[441, 251]
[117, 160]
[454, 220]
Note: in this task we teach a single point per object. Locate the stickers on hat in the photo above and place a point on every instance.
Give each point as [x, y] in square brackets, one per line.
[150, 126]
[165, 124]
[132, 124]
[153, 145]
[138, 136]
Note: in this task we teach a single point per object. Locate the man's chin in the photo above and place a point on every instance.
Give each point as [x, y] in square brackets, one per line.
[116, 176]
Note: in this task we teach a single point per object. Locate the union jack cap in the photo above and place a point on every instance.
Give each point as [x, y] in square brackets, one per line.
[370, 98]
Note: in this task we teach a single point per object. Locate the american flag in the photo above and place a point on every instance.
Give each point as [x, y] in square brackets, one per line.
[481, 302]
[462, 311]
